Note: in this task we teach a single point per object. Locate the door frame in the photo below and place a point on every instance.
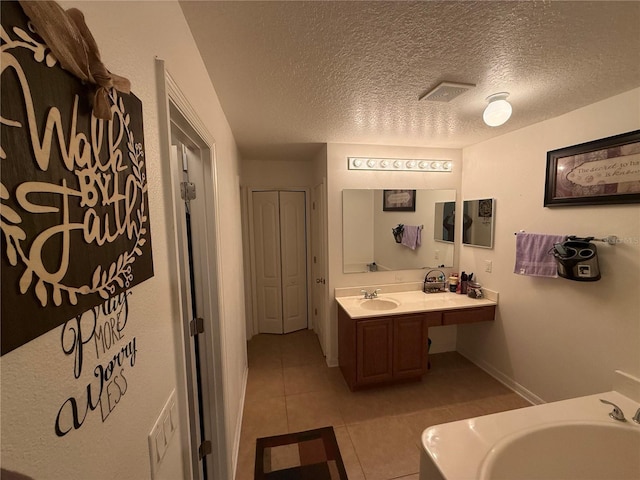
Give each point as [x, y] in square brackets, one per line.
[321, 239]
[252, 317]
[175, 109]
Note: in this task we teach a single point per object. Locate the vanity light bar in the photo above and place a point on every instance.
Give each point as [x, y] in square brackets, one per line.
[398, 164]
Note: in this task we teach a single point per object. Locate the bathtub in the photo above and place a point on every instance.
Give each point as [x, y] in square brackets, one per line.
[569, 450]
[571, 440]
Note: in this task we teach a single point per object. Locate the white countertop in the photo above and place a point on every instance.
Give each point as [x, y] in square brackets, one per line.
[414, 301]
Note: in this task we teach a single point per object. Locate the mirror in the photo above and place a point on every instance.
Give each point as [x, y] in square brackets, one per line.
[444, 224]
[369, 218]
[477, 229]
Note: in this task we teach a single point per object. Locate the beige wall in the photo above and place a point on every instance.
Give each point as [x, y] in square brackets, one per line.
[555, 338]
[37, 378]
[276, 174]
[340, 178]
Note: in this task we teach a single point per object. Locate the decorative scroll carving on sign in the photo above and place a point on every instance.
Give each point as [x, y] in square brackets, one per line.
[74, 211]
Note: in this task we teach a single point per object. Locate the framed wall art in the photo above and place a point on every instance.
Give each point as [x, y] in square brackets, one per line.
[75, 213]
[605, 171]
[399, 200]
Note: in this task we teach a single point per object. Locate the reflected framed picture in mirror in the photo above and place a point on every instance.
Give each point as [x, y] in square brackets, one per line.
[478, 222]
[399, 200]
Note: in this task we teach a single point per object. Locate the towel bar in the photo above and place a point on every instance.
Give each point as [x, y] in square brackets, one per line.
[610, 239]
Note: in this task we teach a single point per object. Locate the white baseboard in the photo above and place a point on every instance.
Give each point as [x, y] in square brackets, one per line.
[504, 379]
[238, 432]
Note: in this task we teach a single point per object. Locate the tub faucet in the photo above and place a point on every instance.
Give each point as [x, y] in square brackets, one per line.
[616, 413]
[636, 417]
[373, 294]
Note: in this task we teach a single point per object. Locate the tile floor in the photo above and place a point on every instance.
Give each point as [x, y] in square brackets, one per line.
[291, 389]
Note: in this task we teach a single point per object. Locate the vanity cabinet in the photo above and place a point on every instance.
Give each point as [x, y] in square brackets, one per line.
[390, 348]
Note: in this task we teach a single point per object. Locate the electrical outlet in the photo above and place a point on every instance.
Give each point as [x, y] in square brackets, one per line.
[162, 432]
[488, 265]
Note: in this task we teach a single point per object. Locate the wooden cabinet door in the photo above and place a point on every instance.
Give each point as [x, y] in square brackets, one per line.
[375, 351]
[409, 346]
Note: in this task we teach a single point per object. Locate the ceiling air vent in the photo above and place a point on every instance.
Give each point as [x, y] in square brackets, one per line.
[446, 91]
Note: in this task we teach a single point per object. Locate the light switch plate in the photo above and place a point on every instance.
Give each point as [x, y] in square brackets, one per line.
[162, 432]
[173, 414]
[488, 266]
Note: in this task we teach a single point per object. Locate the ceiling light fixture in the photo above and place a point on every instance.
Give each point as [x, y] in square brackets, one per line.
[498, 111]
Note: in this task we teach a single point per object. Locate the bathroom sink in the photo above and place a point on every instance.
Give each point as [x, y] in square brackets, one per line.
[378, 304]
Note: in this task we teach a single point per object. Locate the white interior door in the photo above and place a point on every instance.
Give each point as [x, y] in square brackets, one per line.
[196, 296]
[202, 423]
[266, 231]
[280, 256]
[293, 252]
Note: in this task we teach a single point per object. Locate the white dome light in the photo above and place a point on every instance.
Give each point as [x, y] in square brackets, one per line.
[498, 111]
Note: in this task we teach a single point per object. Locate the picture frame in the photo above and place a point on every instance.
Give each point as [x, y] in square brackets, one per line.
[600, 172]
[399, 200]
[75, 226]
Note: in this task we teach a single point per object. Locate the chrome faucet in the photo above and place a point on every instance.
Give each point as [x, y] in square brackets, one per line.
[616, 413]
[636, 417]
[373, 294]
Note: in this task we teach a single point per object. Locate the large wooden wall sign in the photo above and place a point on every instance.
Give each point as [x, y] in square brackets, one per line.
[74, 211]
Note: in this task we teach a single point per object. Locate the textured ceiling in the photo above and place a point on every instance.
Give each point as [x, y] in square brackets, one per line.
[293, 75]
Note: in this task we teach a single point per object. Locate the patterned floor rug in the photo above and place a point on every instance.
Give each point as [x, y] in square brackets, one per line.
[310, 455]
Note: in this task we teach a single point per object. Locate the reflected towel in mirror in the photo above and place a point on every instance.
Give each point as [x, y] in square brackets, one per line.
[411, 236]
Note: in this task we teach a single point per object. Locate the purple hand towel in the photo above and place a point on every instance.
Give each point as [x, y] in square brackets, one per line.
[532, 254]
[411, 236]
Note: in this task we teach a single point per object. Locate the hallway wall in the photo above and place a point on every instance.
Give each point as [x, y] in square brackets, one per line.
[276, 174]
[37, 377]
